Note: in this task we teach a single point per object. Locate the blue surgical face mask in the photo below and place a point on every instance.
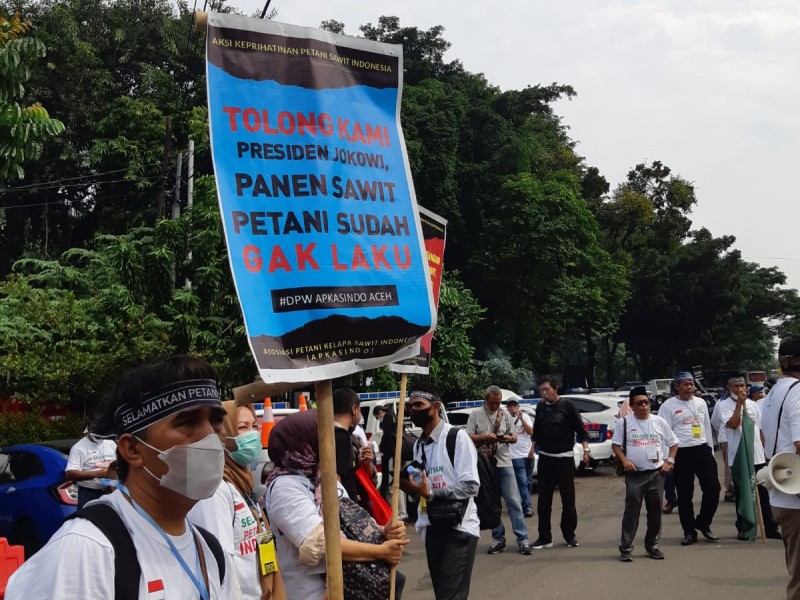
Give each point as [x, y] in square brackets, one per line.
[248, 447]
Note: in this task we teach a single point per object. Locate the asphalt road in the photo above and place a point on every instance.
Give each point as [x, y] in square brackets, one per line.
[725, 570]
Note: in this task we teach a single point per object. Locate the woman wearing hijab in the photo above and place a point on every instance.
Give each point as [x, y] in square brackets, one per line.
[293, 502]
[233, 514]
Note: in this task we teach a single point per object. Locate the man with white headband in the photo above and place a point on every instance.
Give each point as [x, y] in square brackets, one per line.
[137, 543]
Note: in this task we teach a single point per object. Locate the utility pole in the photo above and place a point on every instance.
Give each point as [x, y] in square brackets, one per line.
[161, 202]
[176, 198]
[190, 191]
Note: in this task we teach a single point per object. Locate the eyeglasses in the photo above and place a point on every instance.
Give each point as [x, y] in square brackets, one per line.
[641, 403]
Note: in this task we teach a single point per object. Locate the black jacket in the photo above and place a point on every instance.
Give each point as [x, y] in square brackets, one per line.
[556, 426]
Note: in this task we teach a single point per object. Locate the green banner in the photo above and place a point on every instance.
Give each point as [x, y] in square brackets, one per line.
[744, 476]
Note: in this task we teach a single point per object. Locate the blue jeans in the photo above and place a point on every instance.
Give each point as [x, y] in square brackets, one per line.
[507, 484]
[523, 471]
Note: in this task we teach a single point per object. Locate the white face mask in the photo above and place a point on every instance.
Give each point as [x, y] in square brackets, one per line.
[194, 470]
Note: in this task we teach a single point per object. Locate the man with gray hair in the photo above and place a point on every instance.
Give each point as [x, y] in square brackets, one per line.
[492, 430]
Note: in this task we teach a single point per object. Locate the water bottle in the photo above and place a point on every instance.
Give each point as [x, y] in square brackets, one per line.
[414, 473]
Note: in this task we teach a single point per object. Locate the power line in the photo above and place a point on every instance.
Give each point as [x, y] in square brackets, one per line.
[46, 185]
[771, 257]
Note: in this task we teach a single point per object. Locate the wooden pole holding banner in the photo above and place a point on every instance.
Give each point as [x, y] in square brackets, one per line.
[759, 516]
[330, 497]
[398, 450]
[200, 21]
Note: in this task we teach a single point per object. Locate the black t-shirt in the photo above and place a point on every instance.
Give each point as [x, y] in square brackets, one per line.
[346, 461]
[556, 425]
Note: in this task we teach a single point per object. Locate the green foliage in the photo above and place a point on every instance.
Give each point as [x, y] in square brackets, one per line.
[30, 428]
[23, 129]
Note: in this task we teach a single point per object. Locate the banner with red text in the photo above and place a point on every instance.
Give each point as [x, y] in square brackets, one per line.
[434, 231]
[320, 217]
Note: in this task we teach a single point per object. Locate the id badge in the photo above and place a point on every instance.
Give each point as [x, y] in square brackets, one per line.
[423, 505]
[652, 454]
[266, 554]
[696, 432]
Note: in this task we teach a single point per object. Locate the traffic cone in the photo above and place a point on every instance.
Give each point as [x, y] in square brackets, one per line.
[303, 405]
[267, 423]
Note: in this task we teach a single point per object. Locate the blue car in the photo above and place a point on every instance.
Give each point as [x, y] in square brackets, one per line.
[34, 496]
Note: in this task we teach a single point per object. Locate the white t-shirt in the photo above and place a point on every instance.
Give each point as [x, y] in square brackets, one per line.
[682, 415]
[648, 441]
[78, 562]
[522, 447]
[293, 515]
[87, 455]
[442, 473]
[725, 411]
[361, 435]
[718, 424]
[788, 432]
[227, 515]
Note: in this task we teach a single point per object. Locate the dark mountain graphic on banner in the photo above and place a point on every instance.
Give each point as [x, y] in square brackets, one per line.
[301, 62]
[334, 339]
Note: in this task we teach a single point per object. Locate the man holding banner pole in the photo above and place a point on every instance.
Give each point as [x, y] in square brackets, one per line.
[746, 456]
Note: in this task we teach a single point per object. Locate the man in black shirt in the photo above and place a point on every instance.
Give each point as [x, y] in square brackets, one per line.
[349, 455]
[555, 426]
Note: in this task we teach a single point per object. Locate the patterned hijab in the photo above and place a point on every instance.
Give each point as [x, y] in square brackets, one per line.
[294, 446]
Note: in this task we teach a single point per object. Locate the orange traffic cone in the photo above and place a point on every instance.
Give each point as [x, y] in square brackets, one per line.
[303, 405]
[267, 423]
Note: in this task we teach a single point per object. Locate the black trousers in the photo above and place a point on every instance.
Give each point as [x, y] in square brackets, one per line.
[690, 462]
[451, 554]
[554, 472]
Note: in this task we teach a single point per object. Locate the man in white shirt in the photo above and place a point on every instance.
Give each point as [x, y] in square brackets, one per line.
[646, 446]
[689, 420]
[522, 454]
[88, 462]
[718, 425]
[168, 416]
[446, 477]
[780, 422]
[729, 413]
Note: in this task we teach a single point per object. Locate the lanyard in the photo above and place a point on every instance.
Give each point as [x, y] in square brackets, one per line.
[649, 421]
[198, 583]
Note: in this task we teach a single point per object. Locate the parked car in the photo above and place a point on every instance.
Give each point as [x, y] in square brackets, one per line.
[35, 498]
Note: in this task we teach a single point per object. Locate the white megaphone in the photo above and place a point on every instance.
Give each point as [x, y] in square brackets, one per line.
[782, 473]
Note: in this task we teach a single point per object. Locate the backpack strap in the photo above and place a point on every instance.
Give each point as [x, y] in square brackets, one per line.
[127, 571]
[452, 434]
[216, 550]
[780, 413]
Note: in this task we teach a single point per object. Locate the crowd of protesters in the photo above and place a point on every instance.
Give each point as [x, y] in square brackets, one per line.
[187, 519]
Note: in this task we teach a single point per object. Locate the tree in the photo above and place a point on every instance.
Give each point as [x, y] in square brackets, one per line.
[23, 129]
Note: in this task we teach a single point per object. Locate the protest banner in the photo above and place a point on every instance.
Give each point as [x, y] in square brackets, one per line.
[320, 217]
[434, 231]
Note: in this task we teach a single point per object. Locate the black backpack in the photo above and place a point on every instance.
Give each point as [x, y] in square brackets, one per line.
[127, 571]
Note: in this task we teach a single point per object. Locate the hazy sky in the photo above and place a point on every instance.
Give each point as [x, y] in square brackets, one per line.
[710, 88]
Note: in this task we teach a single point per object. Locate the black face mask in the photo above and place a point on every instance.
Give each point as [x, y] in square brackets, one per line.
[420, 418]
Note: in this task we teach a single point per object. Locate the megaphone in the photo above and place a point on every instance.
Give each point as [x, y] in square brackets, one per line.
[782, 473]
